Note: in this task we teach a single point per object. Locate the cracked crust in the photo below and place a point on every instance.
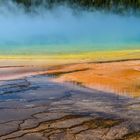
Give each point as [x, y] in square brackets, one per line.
[65, 112]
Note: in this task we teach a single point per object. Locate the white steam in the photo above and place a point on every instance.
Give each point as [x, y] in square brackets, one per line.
[63, 25]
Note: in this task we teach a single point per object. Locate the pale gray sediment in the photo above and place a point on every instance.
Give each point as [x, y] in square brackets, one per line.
[35, 108]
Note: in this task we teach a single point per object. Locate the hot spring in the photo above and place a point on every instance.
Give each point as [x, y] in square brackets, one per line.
[64, 30]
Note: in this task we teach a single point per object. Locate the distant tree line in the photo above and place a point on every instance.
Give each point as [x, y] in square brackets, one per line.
[113, 5]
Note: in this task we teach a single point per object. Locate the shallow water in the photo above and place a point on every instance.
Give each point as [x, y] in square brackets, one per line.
[34, 103]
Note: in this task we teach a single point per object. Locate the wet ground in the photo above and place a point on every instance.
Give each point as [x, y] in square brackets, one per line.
[34, 108]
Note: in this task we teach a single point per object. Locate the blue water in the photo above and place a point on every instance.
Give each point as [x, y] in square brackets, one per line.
[64, 30]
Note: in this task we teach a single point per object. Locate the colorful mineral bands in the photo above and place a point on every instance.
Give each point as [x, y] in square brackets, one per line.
[67, 32]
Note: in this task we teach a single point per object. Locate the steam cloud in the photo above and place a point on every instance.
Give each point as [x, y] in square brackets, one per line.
[63, 25]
